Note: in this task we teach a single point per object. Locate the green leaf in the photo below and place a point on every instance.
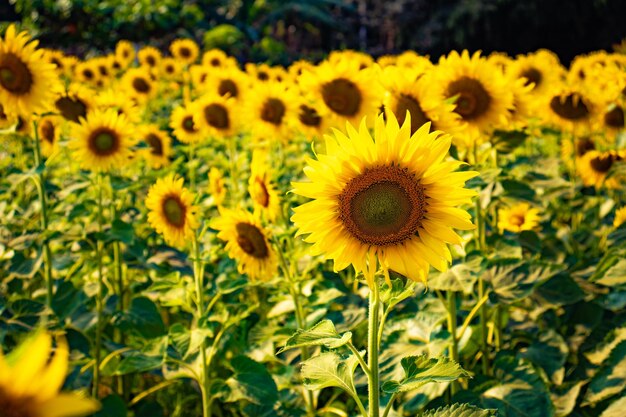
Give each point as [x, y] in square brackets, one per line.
[420, 370]
[616, 409]
[400, 290]
[610, 378]
[506, 141]
[460, 410]
[549, 351]
[121, 231]
[515, 281]
[142, 317]
[251, 381]
[459, 278]
[564, 397]
[112, 406]
[322, 334]
[615, 275]
[330, 369]
[517, 190]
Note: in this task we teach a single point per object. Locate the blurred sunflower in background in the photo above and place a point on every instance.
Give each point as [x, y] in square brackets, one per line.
[159, 145]
[171, 210]
[103, 140]
[247, 242]
[518, 218]
[392, 198]
[183, 125]
[125, 52]
[217, 187]
[86, 73]
[75, 102]
[184, 50]
[229, 82]
[49, 132]
[540, 71]
[268, 109]
[261, 188]
[218, 59]
[620, 217]
[594, 168]
[215, 115]
[170, 68]
[310, 119]
[28, 82]
[138, 83]
[569, 109]
[119, 101]
[150, 57]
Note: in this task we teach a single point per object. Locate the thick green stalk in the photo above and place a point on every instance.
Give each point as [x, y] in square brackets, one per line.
[99, 294]
[372, 351]
[41, 192]
[454, 342]
[198, 272]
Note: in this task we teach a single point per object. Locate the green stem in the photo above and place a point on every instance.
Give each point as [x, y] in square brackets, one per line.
[372, 352]
[454, 342]
[389, 404]
[41, 192]
[99, 294]
[381, 328]
[359, 358]
[191, 165]
[204, 374]
[232, 157]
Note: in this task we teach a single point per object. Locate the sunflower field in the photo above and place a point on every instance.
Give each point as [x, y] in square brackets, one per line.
[183, 235]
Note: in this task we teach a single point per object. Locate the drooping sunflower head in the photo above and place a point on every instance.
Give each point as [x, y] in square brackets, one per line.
[518, 218]
[159, 145]
[183, 125]
[49, 132]
[479, 89]
[149, 56]
[215, 115]
[261, 188]
[125, 52]
[31, 377]
[28, 82]
[103, 140]
[171, 210]
[597, 168]
[217, 186]
[347, 92]
[185, 50]
[248, 243]
[392, 198]
[268, 109]
[75, 103]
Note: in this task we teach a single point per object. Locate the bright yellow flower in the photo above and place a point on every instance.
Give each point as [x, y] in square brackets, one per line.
[217, 187]
[620, 217]
[261, 188]
[518, 218]
[184, 50]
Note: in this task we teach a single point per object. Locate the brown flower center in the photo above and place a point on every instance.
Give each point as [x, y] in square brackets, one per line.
[185, 52]
[342, 96]
[12, 406]
[251, 240]
[473, 100]
[188, 124]
[261, 195]
[615, 118]
[227, 87]
[156, 145]
[141, 85]
[532, 75]
[71, 109]
[273, 111]
[169, 69]
[88, 74]
[174, 210]
[571, 107]
[47, 131]
[263, 76]
[418, 117]
[602, 163]
[215, 62]
[14, 74]
[151, 60]
[517, 220]
[216, 116]
[104, 141]
[383, 206]
[584, 145]
[308, 116]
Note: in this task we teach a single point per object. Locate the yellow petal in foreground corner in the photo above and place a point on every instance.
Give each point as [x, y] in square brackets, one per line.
[31, 377]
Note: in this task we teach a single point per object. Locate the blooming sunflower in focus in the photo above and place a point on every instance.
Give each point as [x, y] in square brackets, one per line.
[49, 132]
[159, 145]
[262, 190]
[75, 103]
[31, 377]
[518, 218]
[347, 92]
[171, 210]
[217, 188]
[247, 242]
[392, 198]
[183, 125]
[215, 115]
[149, 57]
[482, 97]
[268, 109]
[620, 217]
[594, 168]
[184, 50]
[28, 82]
[102, 140]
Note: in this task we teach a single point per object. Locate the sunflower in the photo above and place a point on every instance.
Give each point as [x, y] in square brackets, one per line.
[104, 66]
[569, 108]
[229, 82]
[248, 243]
[86, 72]
[215, 115]
[297, 68]
[594, 168]
[184, 50]
[405, 90]
[620, 217]
[172, 212]
[200, 76]
[28, 82]
[24, 125]
[170, 68]
[102, 140]
[482, 97]
[159, 145]
[217, 59]
[310, 118]
[6, 120]
[125, 52]
[518, 218]
[523, 104]
[31, 377]
[120, 101]
[417, 63]
[500, 60]
[611, 119]
[360, 60]
[262, 190]
[185, 129]
[573, 148]
[139, 84]
[392, 198]
[49, 132]
[260, 72]
[540, 70]
[58, 59]
[217, 187]
[149, 56]
[347, 92]
[268, 109]
[75, 102]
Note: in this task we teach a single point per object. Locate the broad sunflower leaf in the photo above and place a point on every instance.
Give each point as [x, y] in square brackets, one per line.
[564, 397]
[420, 370]
[460, 410]
[330, 369]
[610, 378]
[251, 382]
[615, 275]
[459, 278]
[400, 290]
[616, 409]
[322, 334]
